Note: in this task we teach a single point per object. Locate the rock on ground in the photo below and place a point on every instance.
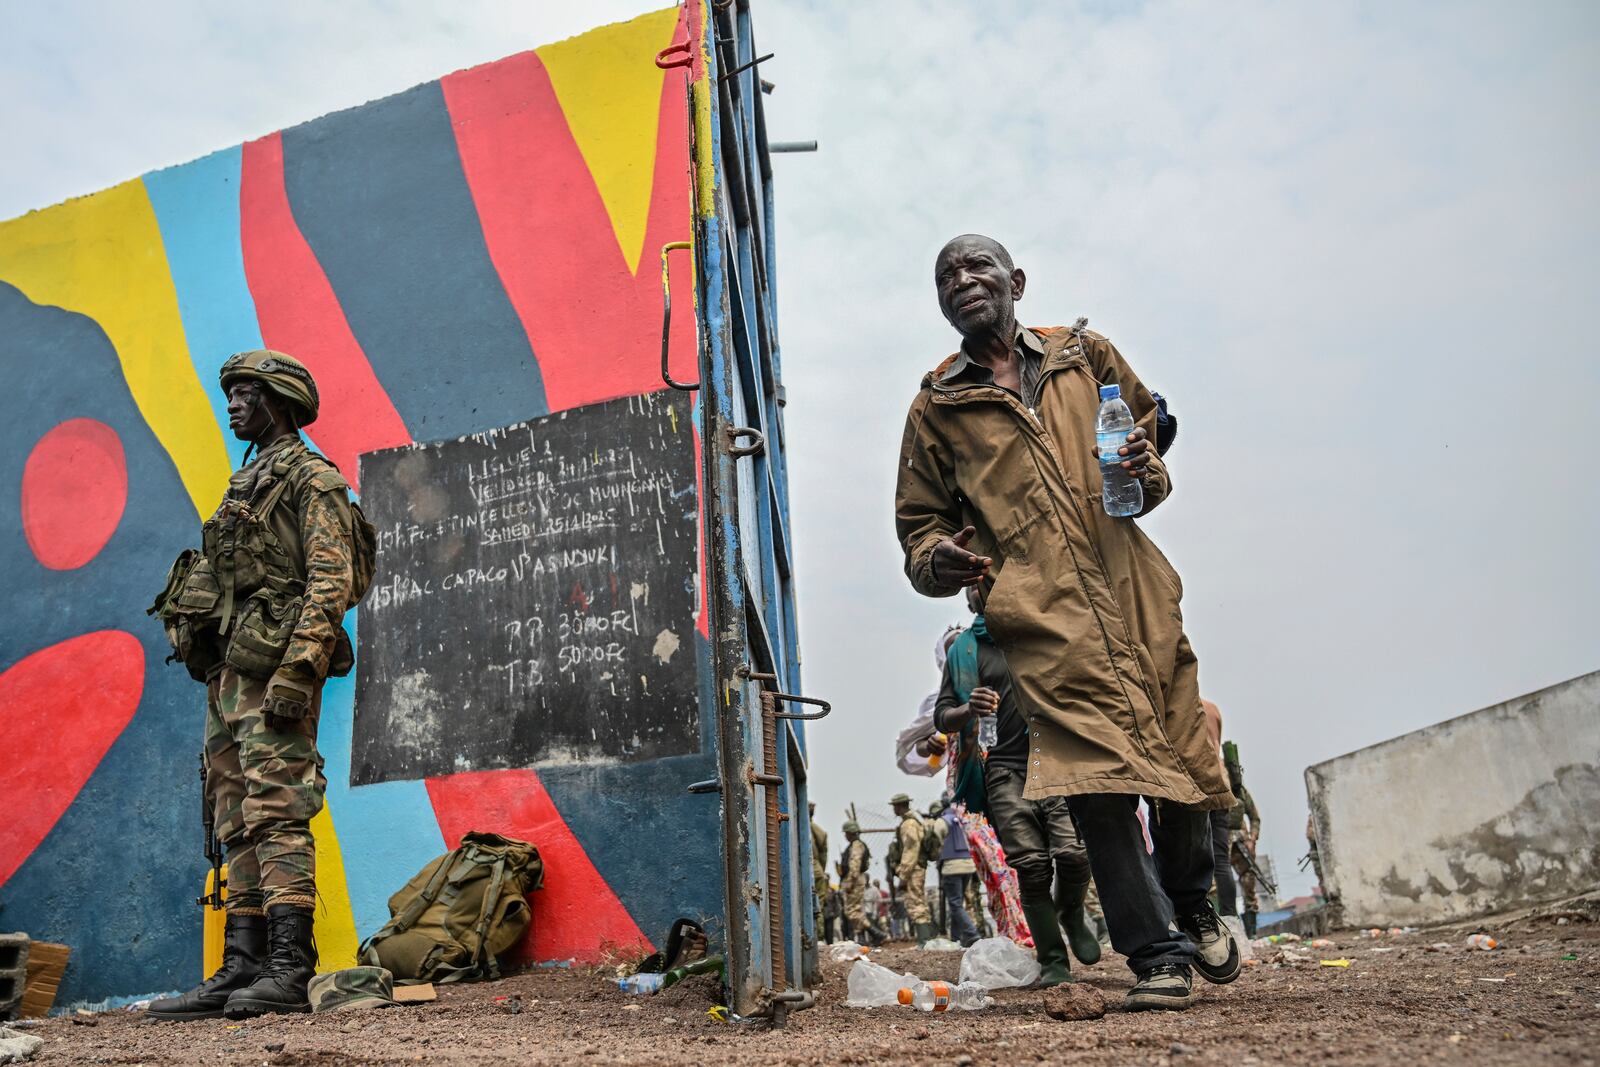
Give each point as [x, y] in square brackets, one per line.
[1074, 1002]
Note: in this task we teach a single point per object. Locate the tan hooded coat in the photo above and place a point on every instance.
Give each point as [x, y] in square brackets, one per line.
[1085, 607]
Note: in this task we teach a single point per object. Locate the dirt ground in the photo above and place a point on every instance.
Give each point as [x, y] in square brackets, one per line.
[1535, 1000]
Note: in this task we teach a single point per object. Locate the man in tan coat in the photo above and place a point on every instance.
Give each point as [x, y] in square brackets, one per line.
[999, 483]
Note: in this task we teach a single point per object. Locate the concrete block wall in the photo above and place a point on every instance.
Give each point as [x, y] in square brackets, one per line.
[1495, 809]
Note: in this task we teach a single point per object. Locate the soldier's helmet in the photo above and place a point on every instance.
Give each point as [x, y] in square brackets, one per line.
[281, 373]
[936, 809]
[900, 798]
[852, 827]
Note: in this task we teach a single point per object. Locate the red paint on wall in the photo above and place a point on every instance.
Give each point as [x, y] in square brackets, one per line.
[74, 490]
[576, 914]
[595, 325]
[300, 314]
[60, 711]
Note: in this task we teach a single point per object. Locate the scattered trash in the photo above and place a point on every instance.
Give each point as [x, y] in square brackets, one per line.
[998, 963]
[1074, 1002]
[1336, 963]
[644, 982]
[1322, 942]
[1273, 939]
[415, 993]
[718, 1013]
[1570, 956]
[1491, 979]
[941, 944]
[942, 996]
[700, 966]
[872, 986]
[511, 1005]
[1440, 946]
[16, 1046]
[565, 964]
[845, 951]
[1483, 941]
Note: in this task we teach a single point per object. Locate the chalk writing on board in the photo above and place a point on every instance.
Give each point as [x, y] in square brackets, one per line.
[536, 595]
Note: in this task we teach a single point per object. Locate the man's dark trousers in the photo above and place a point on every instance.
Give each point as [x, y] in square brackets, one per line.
[1139, 892]
[1227, 898]
[954, 888]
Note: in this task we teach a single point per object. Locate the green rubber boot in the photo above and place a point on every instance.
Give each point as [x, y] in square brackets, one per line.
[1069, 893]
[1055, 966]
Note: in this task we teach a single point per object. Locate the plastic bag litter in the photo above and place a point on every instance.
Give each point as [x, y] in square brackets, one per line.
[16, 1046]
[999, 963]
[940, 944]
[872, 986]
[1235, 929]
[844, 951]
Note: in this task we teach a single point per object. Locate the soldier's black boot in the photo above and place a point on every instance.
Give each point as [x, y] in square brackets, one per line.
[244, 944]
[291, 961]
[846, 930]
[925, 932]
[1055, 966]
[1250, 923]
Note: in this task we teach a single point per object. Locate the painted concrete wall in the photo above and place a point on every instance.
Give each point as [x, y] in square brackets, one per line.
[1491, 810]
[469, 253]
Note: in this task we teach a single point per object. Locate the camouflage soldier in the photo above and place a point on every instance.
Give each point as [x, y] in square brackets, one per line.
[911, 868]
[819, 867]
[853, 863]
[256, 616]
[1244, 830]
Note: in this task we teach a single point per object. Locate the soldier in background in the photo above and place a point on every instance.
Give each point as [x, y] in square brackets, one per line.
[256, 616]
[819, 867]
[853, 864]
[1244, 830]
[911, 868]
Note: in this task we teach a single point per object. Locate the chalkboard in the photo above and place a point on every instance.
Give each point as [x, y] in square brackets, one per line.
[535, 596]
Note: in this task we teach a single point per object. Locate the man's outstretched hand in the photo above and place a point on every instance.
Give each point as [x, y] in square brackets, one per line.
[954, 565]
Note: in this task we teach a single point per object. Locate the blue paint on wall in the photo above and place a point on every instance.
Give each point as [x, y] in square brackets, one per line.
[197, 210]
[386, 831]
[117, 876]
[382, 200]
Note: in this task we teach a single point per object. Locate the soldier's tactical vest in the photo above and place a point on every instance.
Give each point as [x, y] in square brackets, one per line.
[237, 601]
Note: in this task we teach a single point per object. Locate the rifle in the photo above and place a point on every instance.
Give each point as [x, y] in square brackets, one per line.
[212, 846]
[1249, 855]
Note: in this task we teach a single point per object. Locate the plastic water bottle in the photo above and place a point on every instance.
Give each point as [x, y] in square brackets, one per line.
[1120, 491]
[942, 996]
[988, 731]
[644, 982]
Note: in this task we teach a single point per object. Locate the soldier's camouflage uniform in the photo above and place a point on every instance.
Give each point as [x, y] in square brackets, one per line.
[912, 869]
[1241, 849]
[819, 871]
[264, 779]
[853, 885]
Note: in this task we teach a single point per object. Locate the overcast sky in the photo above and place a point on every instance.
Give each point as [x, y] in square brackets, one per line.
[1354, 243]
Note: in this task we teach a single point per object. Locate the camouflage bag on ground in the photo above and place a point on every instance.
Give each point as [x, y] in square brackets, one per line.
[459, 913]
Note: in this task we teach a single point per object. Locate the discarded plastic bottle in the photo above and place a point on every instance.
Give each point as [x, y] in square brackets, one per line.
[644, 982]
[1483, 941]
[942, 996]
[988, 731]
[1120, 491]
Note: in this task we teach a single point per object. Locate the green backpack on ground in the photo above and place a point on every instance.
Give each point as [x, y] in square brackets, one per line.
[459, 913]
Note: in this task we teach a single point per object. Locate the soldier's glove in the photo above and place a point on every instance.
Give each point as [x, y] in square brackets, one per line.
[288, 696]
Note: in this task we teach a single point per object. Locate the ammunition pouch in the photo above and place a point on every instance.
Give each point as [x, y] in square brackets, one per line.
[261, 631]
[187, 609]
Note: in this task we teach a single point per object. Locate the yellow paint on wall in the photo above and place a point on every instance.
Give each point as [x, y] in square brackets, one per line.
[705, 164]
[102, 256]
[609, 88]
[335, 923]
